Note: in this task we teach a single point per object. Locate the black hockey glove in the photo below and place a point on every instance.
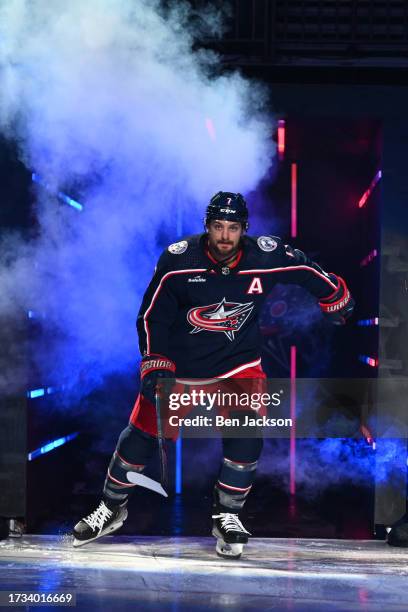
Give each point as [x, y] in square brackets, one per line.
[153, 368]
[339, 305]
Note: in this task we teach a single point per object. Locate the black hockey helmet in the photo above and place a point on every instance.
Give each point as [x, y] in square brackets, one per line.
[229, 207]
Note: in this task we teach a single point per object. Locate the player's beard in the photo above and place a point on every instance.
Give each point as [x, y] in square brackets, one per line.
[221, 254]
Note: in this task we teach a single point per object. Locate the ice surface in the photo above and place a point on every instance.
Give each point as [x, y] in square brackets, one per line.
[162, 573]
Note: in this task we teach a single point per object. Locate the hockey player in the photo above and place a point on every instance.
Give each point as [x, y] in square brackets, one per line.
[199, 318]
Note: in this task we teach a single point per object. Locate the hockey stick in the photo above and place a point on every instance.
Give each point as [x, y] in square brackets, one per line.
[161, 443]
[145, 481]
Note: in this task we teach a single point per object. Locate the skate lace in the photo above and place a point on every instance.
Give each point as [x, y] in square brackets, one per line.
[230, 522]
[98, 517]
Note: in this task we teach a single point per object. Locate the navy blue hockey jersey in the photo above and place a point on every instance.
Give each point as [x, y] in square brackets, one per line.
[204, 316]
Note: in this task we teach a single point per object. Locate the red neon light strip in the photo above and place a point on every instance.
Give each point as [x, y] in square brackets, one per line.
[369, 191]
[293, 223]
[281, 138]
[292, 443]
[369, 258]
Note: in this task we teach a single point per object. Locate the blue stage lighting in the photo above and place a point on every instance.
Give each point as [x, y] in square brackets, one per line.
[62, 196]
[371, 361]
[47, 391]
[36, 393]
[70, 201]
[50, 446]
[368, 322]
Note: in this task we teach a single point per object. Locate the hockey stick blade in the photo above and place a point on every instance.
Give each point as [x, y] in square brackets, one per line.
[146, 482]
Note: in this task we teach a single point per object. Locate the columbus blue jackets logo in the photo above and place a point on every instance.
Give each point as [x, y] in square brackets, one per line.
[266, 243]
[178, 247]
[224, 317]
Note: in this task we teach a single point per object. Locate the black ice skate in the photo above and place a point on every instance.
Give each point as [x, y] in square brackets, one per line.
[397, 534]
[101, 522]
[230, 533]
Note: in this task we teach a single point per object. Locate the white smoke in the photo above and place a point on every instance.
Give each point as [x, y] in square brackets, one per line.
[108, 99]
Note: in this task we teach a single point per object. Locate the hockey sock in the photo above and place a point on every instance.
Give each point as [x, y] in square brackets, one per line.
[234, 484]
[133, 450]
[237, 471]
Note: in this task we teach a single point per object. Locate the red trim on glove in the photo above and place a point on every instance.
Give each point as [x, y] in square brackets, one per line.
[153, 362]
[335, 292]
[338, 304]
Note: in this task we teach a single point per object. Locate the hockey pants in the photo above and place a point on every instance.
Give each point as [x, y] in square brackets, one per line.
[138, 443]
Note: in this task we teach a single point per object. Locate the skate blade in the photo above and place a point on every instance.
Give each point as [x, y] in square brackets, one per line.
[111, 529]
[228, 551]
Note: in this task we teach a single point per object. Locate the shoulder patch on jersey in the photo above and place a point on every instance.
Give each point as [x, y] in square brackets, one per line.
[266, 243]
[178, 247]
